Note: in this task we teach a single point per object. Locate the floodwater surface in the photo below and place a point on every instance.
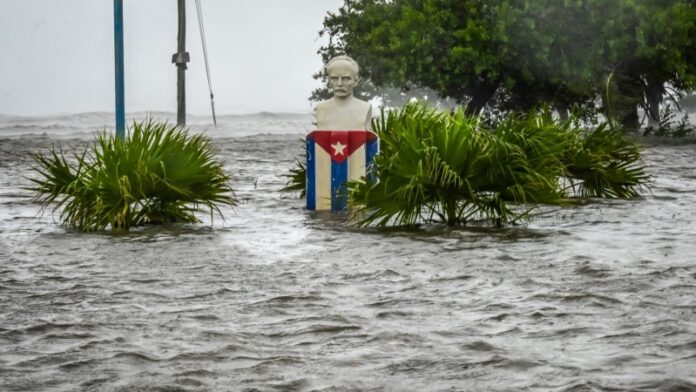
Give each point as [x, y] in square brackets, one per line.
[599, 296]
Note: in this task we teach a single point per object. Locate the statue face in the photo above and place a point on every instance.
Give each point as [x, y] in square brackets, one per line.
[342, 79]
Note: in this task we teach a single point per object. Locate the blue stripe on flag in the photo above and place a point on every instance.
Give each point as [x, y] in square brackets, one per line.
[339, 176]
[311, 188]
[371, 150]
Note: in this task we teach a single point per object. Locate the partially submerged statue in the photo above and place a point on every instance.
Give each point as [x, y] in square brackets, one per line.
[343, 146]
[343, 111]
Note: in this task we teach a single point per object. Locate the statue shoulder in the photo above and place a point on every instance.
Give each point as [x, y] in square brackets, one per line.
[323, 106]
[364, 105]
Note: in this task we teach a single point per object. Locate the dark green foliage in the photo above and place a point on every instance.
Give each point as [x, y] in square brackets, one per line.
[158, 174]
[520, 54]
[603, 163]
[297, 178]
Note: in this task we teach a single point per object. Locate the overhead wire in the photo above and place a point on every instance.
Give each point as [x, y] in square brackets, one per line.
[205, 57]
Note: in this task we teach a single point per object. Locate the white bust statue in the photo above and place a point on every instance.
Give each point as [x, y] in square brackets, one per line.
[343, 112]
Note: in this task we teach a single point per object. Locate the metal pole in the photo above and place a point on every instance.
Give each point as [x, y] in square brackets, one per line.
[180, 58]
[118, 58]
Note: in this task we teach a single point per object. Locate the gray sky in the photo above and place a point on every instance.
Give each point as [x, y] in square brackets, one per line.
[57, 55]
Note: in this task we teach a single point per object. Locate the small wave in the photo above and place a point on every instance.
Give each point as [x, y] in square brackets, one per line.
[584, 386]
[43, 328]
[519, 364]
[622, 335]
[499, 317]
[145, 280]
[137, 293]
[78, 364]
[451, 278]
[617, 360]
[215, 356]
[291, 386]
[560, 332]
[479, 345]
[394, 302]
[667, 305]
[333, 328]
[687, 346]
[196, 373]
[667, 385]
[588, 269]
[192, 382]
[206, 317]
[68, 336]
[135, 356]
[283, 360]
[668, 327]
[289, 298]
[593, 299]
[387, 273]
[92, 383]
[396, 314]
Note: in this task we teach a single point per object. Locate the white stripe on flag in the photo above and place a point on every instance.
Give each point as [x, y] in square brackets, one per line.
[356, 164]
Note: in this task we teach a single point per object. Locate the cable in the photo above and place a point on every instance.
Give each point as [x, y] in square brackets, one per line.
[205, 57]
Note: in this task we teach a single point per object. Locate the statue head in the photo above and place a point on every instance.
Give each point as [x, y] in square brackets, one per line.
[342, 73]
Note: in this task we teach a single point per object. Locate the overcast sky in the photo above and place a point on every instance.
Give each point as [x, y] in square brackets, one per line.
[56, 56]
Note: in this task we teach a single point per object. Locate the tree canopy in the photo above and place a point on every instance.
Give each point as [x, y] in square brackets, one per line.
[613, 55]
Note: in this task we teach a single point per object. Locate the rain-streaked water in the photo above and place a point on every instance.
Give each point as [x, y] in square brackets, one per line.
[600, 296]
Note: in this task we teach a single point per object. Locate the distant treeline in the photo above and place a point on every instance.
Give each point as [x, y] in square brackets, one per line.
[584, 57]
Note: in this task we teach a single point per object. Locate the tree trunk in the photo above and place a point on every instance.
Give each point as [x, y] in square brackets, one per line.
[630, 120]
[654, 97]
[562, 110]
[481, 94]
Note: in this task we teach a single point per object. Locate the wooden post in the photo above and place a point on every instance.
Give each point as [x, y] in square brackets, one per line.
[118, 67]
[180, 58]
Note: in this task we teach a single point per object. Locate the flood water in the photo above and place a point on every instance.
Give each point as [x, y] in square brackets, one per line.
[595, 297]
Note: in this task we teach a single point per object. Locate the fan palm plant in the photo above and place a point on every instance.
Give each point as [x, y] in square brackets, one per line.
[158, 174]
[441, 166]
[604, 163]
[445, 167]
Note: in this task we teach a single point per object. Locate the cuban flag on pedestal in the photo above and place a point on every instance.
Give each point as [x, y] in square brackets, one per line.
[334, 157]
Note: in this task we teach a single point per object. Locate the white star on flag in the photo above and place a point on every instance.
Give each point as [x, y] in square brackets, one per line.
[338, 148]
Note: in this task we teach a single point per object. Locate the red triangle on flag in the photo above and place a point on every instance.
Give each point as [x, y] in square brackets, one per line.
[341, 144]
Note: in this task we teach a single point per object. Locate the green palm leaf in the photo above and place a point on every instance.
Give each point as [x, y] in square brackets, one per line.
[158, 174]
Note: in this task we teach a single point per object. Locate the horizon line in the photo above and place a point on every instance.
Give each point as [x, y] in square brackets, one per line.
[140, 112]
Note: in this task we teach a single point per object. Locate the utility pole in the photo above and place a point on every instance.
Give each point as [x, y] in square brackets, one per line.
[180, 58]
[118, 67]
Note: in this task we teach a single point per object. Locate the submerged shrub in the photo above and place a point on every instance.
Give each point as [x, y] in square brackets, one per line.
[438, 166]
[445, 167]
[604, 163]
[157, 174]
[669, 126]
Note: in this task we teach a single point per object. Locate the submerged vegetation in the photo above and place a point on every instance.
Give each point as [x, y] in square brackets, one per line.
[157, 174]
[446, 167]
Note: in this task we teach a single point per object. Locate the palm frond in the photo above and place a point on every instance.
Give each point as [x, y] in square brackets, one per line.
[158, 174]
